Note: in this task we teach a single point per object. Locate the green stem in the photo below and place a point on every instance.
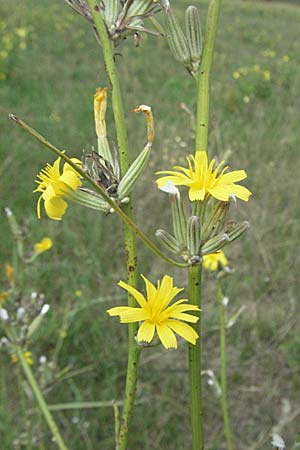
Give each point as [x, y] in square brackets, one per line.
[204, 75]
[23, 406]
[119, 211]
[227, 430]
[40, 399]
[129, 233]
[195, 361]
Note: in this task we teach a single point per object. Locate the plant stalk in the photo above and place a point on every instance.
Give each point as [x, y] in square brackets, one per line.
[202, 118]
[226, 421]
[40, 399]
[129, 234]
[194, 289]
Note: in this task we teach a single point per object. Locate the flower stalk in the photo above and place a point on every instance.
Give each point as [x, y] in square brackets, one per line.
[194, 287]
[202, 120]
[222, 328]
[40, 399]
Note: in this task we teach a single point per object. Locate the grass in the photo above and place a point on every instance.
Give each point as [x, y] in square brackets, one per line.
[50, 84]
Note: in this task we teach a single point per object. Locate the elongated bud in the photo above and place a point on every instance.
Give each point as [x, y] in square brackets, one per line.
[35, 324]
[167, 240]
[214, 244]
[177, 40]
[215, 221]
[133, 173]
[100, 104]
[179, 219]
[139, 7]
[194, 235]
[87, 198]
[149, 121]
[193, 33]
[235, 230]
[111, 12]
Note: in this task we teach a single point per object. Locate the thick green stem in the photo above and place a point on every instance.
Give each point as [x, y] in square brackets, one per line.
[227, 430]
[40, 399]
[204, 75]
[195, 361]
[129, 235]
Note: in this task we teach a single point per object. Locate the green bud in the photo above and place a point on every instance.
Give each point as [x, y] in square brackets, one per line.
[111, 12]
[179, 219]
[177, 40]
[215, 244]
[87, 198]
[215, 221]
[133, 173]
[167, 240]
[235, 230]
[193, 33]
[193, 235]
[139, 7]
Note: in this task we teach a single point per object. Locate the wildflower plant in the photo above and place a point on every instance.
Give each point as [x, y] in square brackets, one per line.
[104, 181]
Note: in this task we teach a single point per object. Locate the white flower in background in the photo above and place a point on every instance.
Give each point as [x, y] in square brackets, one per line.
[278, 442]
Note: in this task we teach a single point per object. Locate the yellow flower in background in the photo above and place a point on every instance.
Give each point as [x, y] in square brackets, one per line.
[27, 356]
[3, 296]
[43, 245]
[267, 75]
[52, 184]
[212, 261]
[157, 314]
[236, 75]
[204, 180]
[9, 273]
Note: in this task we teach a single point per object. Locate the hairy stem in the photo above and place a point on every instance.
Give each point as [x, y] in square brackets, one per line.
[227, 430]
[40, 399]
[195, 361]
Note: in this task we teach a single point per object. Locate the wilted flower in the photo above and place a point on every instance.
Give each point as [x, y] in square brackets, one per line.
[204, 180]
[52, 184]
[157, 314]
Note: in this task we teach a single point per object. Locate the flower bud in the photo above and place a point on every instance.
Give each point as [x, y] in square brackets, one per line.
[167, 240]
[193, 235]
[111, 12]
[87, 198]
[133, 173]
[193, 33]
[215, 221]
[214, 244]
[235, 230]
[139, 7]
[179, 219]
[177, 40]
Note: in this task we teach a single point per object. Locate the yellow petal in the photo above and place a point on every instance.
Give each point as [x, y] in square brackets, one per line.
[183, 316]
[184, 330]
[128, 314]
[135, 293]
[234, 176]
[166, 335]
[55, 208]
[150, 290]
[146, 332]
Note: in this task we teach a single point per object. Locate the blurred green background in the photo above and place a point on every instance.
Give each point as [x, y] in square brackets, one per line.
[50, 66]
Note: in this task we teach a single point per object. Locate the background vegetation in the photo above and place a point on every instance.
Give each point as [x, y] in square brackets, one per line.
[50, 66]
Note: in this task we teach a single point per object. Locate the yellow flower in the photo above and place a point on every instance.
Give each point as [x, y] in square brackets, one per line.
[3, 296]
[267, 75]
[27, 356]
[157, 314]
[236, 75]
[52, 184]
[204, 180]
[43, 245]
[212, 261]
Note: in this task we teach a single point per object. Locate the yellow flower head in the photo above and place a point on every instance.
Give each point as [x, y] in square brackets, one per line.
[43, 245]
[27, 356]
[203, 180]
[52, 184]
[157, 314]
[212, 261]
